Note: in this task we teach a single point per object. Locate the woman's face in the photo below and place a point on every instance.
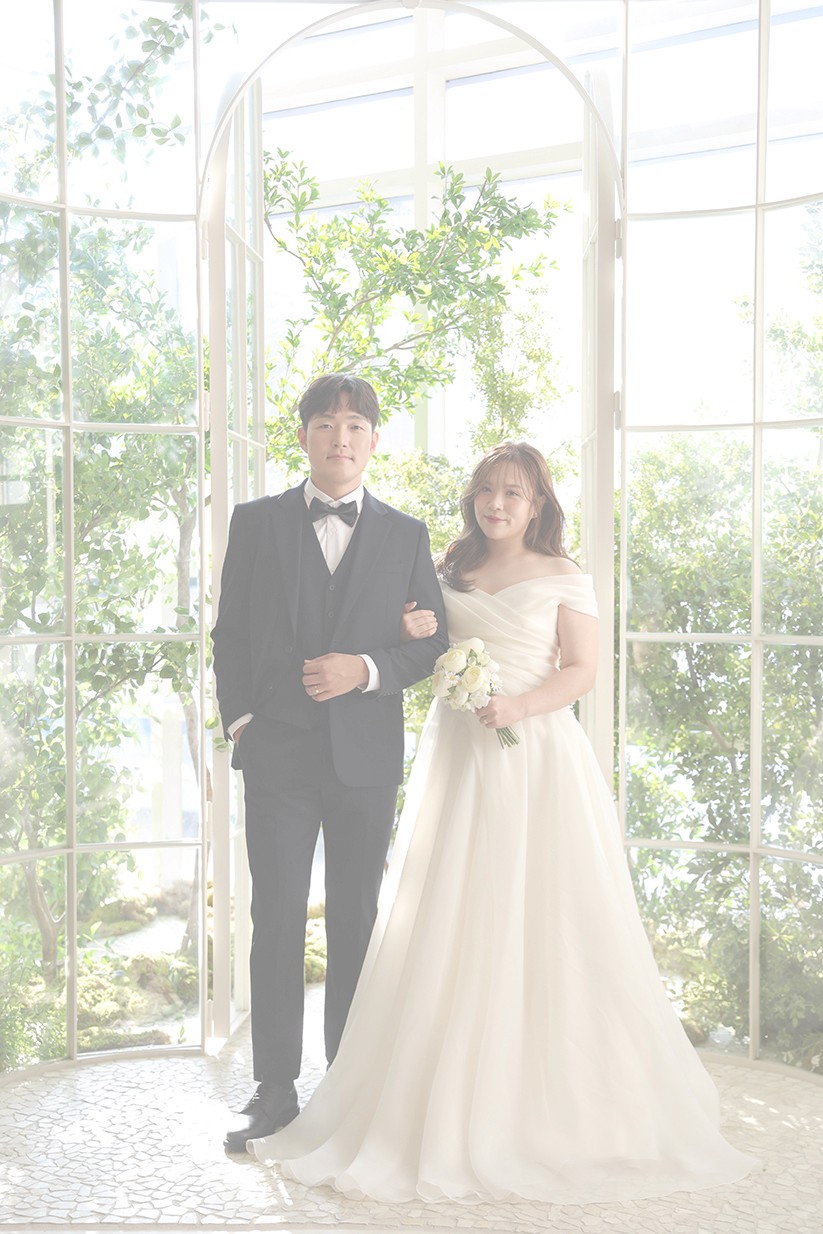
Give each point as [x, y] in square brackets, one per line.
[503, 505]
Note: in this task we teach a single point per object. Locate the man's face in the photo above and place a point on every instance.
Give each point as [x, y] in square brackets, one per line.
[339, 443]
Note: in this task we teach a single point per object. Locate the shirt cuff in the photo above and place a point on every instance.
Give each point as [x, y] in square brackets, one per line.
[374, 675]
[238, 723]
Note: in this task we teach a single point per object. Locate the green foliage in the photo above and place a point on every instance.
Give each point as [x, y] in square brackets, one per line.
[32, 999]
[133, 519]
[124, 1002]
[514, 369]
[690, 534]
[107, 113]
[386, 301]
[796, 347]
[314, 960]
[690, 572]
[426, 486]
[791, 957]
[33, 1018]
[688, 769]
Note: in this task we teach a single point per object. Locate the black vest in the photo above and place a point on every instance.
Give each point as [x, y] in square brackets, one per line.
[320, 594]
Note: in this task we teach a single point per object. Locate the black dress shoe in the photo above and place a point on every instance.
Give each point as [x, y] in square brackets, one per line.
[273, 1106]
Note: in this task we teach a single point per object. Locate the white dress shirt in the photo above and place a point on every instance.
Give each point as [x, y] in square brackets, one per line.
[333, 536]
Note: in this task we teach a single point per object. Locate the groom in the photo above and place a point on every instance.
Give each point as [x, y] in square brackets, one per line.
[310, 671]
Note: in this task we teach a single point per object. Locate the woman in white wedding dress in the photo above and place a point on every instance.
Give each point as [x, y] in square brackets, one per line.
[510, 1034]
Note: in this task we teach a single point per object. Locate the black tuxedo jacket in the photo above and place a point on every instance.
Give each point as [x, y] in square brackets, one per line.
[254, 636]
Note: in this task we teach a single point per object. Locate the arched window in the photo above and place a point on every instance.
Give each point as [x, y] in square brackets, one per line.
[680, 339]
[392, 97]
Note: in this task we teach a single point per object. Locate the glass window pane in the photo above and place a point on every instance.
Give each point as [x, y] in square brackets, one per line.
[253, 358]
[138, 947]
[692, 148]
[363, 44]
[239, 470]
[687, 741]
[350, 137]
[252, 169]
[689, 357]
[586, 38]
[135, 531]
[792, 786]
[234, 35]
[138, 737]
[465, 30]
[28, 165]
[232, 323]
[689, 532]
[32, 747]
[30, 369]
[238, 890]
[479, 114]
[251, 472]
[568, 29]
[240, 893]
[32, 557]
[659, 182]
[793, 530]
[32, 963]
[540, 339]
[133, 321]
[695, 907]
[791, 962]
[130, 99]
[793, 311]
[795, 152]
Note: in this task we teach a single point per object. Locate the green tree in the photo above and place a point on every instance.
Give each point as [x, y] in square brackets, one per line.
[393, 302]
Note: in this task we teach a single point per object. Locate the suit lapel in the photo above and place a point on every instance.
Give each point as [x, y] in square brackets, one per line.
[288, 523]
[373, 527]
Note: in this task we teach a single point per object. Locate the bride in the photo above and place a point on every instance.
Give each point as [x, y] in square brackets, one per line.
[510, 1034]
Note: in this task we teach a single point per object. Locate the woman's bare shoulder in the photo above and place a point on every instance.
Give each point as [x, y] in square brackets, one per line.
[561, 565]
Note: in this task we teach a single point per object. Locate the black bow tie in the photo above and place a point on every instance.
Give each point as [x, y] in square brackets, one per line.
[321, 509]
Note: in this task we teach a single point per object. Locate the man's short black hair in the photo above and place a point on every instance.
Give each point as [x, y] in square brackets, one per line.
[328, 392]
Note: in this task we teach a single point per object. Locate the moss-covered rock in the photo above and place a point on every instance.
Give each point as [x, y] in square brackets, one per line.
[92, 1039]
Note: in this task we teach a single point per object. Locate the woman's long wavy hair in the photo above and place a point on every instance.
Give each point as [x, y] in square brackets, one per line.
[544, 534]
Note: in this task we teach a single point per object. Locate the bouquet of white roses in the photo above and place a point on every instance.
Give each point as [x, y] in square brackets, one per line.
[466, 677]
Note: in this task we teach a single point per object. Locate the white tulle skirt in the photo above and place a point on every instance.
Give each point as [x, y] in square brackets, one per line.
[510, 1035]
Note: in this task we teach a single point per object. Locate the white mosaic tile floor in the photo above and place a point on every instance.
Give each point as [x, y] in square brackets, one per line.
[136, 1145]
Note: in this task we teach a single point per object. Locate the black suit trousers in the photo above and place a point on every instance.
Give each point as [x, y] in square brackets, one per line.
[291, 790]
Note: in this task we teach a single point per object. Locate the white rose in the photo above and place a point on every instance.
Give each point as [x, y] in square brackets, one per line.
[472, 644]
[459, 698]
[484, 658]
[453, 660]
[440, 685]
[475, 678]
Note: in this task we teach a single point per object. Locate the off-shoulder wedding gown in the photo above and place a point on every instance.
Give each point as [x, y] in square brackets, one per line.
[510, 1034]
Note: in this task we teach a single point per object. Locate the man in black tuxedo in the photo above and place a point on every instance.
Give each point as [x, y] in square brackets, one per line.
[310, 669]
